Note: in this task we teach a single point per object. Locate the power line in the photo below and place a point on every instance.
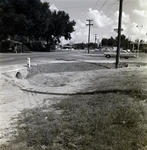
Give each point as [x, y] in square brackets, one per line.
[117, 8]
[110, 6]
[103, 5]
[112, 12]
[76, 7]
[126, 2]
[107, 10]
[96, 4]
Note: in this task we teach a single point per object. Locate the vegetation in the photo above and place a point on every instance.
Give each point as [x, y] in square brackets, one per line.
[125, 43]
[112, 42]
[84, 45]
[33, 20]
[100, 121]
[113, 117]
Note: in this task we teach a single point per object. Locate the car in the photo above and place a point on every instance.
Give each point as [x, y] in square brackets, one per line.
[123, 54]
[105, 49]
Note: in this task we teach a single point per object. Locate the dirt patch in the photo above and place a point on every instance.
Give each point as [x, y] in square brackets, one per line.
[60, 78]
[47, 77]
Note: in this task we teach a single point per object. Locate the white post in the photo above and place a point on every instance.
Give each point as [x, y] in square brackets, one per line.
[28, 63]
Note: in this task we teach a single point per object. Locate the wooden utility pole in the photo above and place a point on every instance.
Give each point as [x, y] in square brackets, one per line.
[89, 24]
[95, 38]
[95, 35]
[119, 34]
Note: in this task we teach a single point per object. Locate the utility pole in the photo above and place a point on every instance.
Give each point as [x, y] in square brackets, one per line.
[89, 24]
[137, 54]
[95, 35]
[119, 34]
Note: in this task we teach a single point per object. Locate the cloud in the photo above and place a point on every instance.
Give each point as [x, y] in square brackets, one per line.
[53, 7]
[141, 13]
[126, 21]
[143, 4]
[139, 17]
[79, 24]
[141, 9]
[99, 18]
[81, 32]
[104, 25]
[125, 18]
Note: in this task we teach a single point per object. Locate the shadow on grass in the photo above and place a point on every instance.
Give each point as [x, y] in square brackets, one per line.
[84, 122]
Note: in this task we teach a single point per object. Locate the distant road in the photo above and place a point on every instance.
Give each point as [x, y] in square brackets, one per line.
[41, 57]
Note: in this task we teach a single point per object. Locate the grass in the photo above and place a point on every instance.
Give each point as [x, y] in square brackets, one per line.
[99, 121]
[113, 119]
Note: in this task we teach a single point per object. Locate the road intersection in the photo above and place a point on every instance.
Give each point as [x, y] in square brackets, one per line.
[7, 59]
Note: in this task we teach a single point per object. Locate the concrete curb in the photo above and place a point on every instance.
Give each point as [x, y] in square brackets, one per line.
[19, 73]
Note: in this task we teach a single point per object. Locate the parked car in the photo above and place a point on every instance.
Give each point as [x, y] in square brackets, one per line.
[123, 54]
[106, 49]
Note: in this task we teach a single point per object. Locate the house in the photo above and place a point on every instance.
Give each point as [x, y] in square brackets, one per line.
[11, 46]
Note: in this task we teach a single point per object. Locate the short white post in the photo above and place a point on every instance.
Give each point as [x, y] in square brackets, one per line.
[28, 63]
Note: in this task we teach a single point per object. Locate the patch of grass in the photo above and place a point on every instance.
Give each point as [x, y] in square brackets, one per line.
[86, 122]
[113, 119]
[66, 67]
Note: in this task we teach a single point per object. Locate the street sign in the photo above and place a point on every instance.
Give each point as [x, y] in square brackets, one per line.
[116, 30]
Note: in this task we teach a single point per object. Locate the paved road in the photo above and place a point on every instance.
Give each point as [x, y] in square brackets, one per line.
[7, 59]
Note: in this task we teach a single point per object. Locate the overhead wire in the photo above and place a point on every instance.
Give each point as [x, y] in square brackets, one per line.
[126, 2]
[113, 11]
[96, 4]
[117, 8]
[109, 8]
[103, 5]
[75, 7]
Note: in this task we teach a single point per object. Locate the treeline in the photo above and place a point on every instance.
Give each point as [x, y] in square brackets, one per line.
[112, 42]
[85, 45]
[33, 20]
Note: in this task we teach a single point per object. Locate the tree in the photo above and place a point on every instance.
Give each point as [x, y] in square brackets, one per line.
[33, 19]
[23, 18]
[80, 46]
[59, 25]
[104, 42]
[125, 42]
[111, 42]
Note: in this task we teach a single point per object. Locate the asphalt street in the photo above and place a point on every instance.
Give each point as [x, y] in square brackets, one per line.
[7, 59]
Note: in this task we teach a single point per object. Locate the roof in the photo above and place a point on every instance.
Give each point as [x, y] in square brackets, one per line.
[12, 41]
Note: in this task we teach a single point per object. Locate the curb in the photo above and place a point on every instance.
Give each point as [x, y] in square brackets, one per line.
[19, 73]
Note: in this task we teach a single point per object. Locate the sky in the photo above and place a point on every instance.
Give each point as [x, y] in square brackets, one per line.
[104, 14]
